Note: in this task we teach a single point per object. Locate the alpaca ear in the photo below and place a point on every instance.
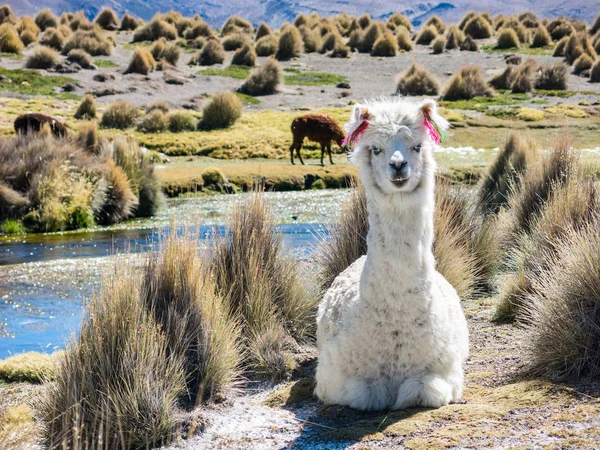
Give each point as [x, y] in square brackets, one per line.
[355, 118]
[435, 124]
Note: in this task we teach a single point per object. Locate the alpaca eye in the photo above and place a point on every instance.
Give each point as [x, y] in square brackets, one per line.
[376, 150]
[417, 148]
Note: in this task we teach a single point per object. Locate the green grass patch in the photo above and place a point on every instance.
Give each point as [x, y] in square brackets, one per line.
[32, 367]
[30, 82]
[541, 101]
[524, 49]
[134, 45]
[237, 72]
[12, 227]
[299, 78]
[105, 64]
[560, 94]
[248, 99]
[16, 56]
[482, 104]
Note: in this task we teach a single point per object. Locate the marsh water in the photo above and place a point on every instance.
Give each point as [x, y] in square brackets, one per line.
[45, 280]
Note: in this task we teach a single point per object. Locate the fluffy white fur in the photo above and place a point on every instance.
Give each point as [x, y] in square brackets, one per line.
[391, 330]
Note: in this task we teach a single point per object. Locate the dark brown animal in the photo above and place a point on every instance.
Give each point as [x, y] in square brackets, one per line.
[34, 122]
[317, 128]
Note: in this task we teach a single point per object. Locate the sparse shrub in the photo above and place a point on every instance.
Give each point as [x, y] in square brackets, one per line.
[9, 39]
[222, 111]
[141, 62]
[120, 114]
[199, 29]
[236, 24]
[267, 45]
[541, 37]
[467, 83]
[234, 41]
[417, 81]
[86, 109]
[46, 19]
[311, 39]
[386, 45]
[469, 45]
[42, 58]
[154, 30]
[53, 38]
[438, 45]
[180, 121]
[507, 38]
[552, 77]
[427, 35]
[107, 20]
[400, 20]
[437, 23]
[403, 40]
[92, 41]
[364, 21]
[81, 57]
[454, 37]
[478, 28]
[583, 63]
[212, 53]
[262, 30]
[595, 72]
[162, 50]
[129, 23]
[245, 56]
[290, 44]
[154, 122]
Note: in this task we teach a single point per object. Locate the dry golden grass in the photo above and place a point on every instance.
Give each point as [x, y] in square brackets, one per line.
[141, 62]
[290, 44]
[263, 81]
[9, 39]
[221, 112]
[467, 83]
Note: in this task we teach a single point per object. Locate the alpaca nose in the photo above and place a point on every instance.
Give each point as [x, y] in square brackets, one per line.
[398, 165]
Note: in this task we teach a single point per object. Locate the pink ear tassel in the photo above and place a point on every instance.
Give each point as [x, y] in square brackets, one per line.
[435, 136]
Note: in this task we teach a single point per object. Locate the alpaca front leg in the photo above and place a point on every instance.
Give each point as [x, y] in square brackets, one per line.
[322, 152]
[292, 147]
[329, 151]
[299, 155]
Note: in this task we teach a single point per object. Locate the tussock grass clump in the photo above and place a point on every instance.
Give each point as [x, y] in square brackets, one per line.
[370, 36]
[162, 50]
[427, 35]
[30, 367]
[180, 121]
[81, 57]
[595, 72]
[89, 138]
[53, 38]
[199, 29]
[154, 122]
[329, 41]
[438, 45]
[221, 112]
[267, 45]
[301, 19]
[404, 41]
[7, 15]
[468, 16]
[80, 22]
[120, 114]
[552, 77]
[26, 23]
[467, 83]
[503, 174]
[129, 23]
[245, 56]
[290, 44]
[559, 28]
[155, 29]
[400, 20]
[236, 24]
[583, 63]
[141, 62]
[478, 28]
[46, 19]
[9, 39]
[355, 39]
[469, 45]
[504, 79]
[117, 381]
[417, 81]
[262, 30]
[595, 26]
[234, 41]
[263, 81]
[311, 39]
[454, 37]
[212, 53]
[437, 23]
[563, 336]
[27, 37]
[107, 20]
[92, 41]
[507, 38]
[86, 109]
[577, 45]
[559, 50]
[518, 28]
[541, 37]
[42, 58]
[158, 105]
[364, 21]
[386, 45]
[523, 77]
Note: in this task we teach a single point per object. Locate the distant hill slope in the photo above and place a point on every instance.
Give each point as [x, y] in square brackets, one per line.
[275, 12]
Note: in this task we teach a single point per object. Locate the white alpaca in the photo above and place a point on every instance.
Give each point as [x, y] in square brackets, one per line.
[391, 331]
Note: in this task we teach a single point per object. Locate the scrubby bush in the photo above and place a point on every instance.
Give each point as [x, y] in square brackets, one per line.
[437, 23]
[120, 114]
[469, 45]
[262, 30]
[417, 81]
[386, 45]
[199, 29]
[290, 44]
[53, 38]
[141, 62]
[403, 40]
[454, 37]
[595, 72]
[86, 109]
[81, 57]
[129, 23]
[245, 56]
[507, 38]
[311, 39]
[236, 24]
[154, 122]
[154, 30]
[467, 83]
[223, 110]
[46, 19]
[212, 53]
[552, 77]
[234, 41]
[541, 37]
[42, 58]
[427, 35]
[9, 39]
[478, 28]
[583, 63]
[180, 121]
[107, 20]
[162, 50]
[92, 41]
[267, 45]
[438, 45]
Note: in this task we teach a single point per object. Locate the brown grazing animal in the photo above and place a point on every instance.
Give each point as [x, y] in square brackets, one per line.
[34, 122]
[318, 128]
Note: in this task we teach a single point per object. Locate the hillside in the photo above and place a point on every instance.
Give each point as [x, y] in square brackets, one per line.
[275, 12]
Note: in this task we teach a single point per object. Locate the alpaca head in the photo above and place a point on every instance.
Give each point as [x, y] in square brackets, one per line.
[393, 147]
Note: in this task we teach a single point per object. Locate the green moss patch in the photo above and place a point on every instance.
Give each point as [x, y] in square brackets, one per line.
[105, 64]
[237, 72]
[481, 104]
[30, 82]
[299, 78]
[292, 394]
[524, 49]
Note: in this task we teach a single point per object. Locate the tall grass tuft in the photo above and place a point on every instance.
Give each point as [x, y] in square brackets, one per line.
[53, 38]
[266, 45]
[46, 19]
[129, 23]
[212, 53]
[467, 83]
[87, 108]
[263, 81]
[222, 111]
[141, 62]
[541, 37]
[42, 58]
[478, 28]
[107, 20]
[553, 77]
[386, 45]
[427, 35]
[120, 114]
[454, 37]
[244, 56]
[155, 29]
[92, 41]
[9, 39]
[290, 44]
[417, 81]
